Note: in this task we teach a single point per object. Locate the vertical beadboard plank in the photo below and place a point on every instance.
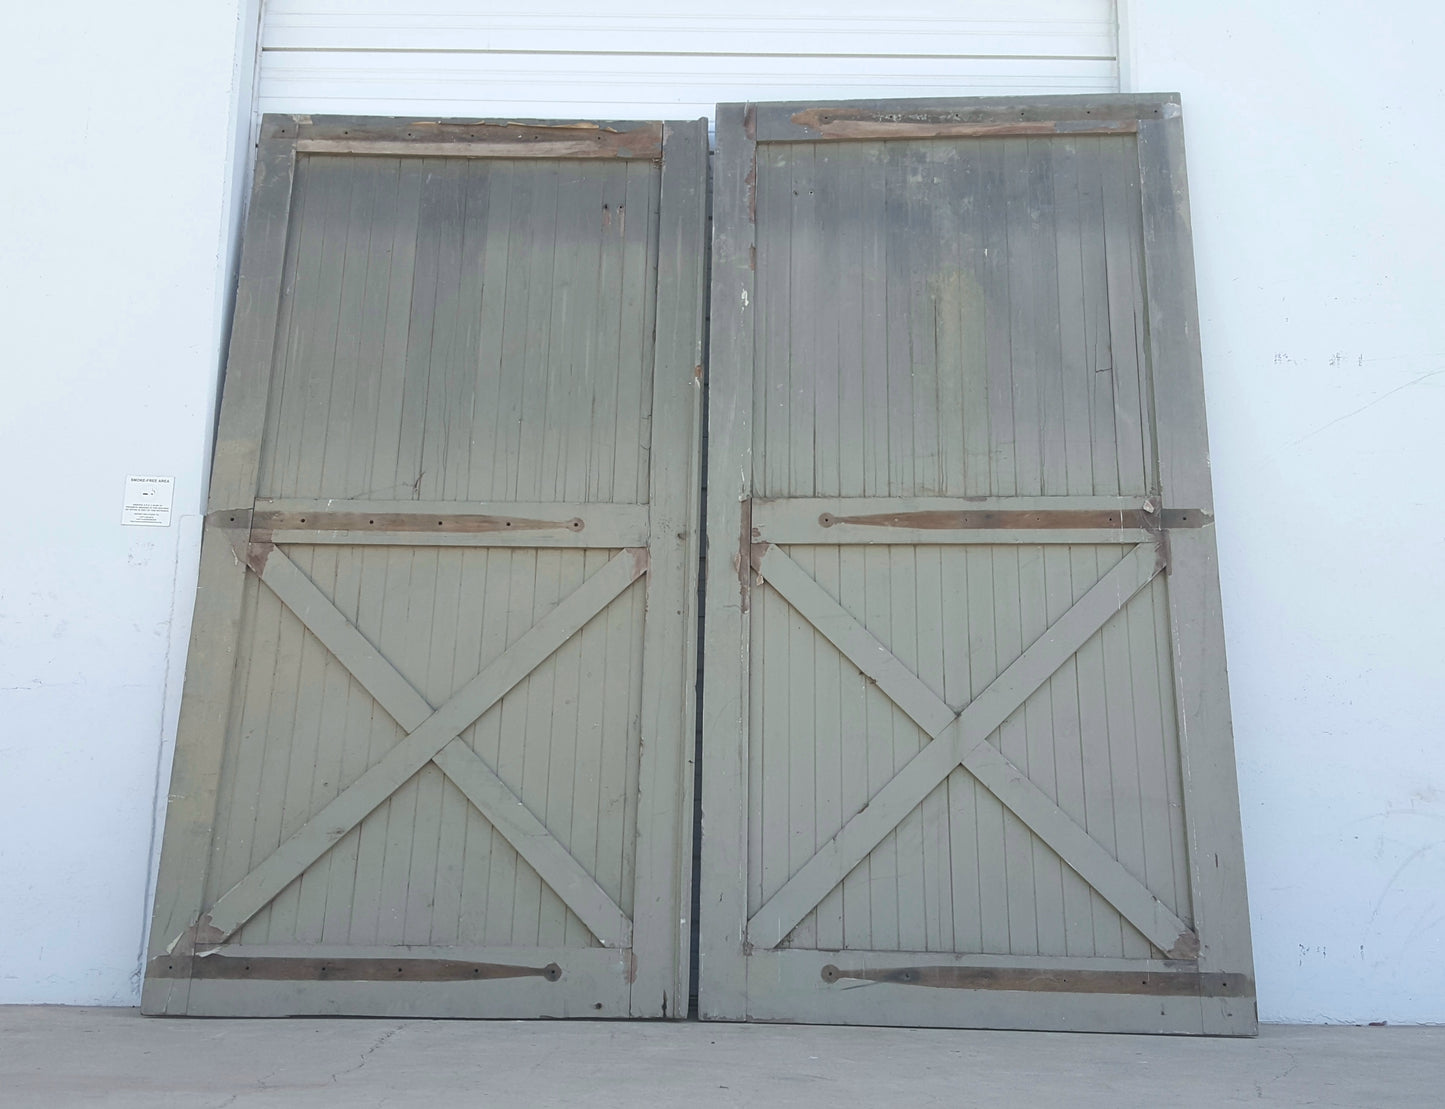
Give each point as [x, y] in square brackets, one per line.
[534, 363]
[898, 358]
[962, 845]
[618, 740]
[1018, 853]
[1174, 784]
[433, 885]
[494, 231]
[562, 754]
[987, 660]
[918, 255]
[326, 702]
[941, 313]
[639, 290]
[511, 334]
[350, 371]
[1074, 372]
[722, 981]
[507, 870]
[1123, 754]
[854, 749]
[993, 219]
[797, 326]
[246, 743]
[490, 582]
[1121, 210]
[380, 611]
[1040, 742]
[587, 774]
[772, 331]
[532, 900]
[877, 416]
[462, 597]
[1211, 796]
[772, 744]
[903, 639]
[1021, 233]
[970, 358]
[1067, 753]
[386, 476]
[831, 743]
[883, 725]
[1099, 365]
[354, 476]
[1157, 817]
[352, 724]
[1048, 313]
[412, 477]
[828, 222]
[564, 326]
[1085, 570]
[603, 468]
[936, 609]
[799, 737]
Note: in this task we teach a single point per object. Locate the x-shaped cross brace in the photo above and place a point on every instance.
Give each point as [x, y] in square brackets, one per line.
[961, 739]
[432, 736]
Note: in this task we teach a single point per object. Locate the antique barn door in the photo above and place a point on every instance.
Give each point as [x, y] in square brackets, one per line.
[435, 740]
[967, 752]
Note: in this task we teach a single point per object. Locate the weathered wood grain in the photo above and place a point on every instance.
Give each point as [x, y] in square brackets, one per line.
[463, 344]
[962, 738]
[722, 990]
[950, 361]
[1206, 745]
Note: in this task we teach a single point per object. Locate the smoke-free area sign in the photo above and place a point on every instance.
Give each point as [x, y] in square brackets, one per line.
[148, 501]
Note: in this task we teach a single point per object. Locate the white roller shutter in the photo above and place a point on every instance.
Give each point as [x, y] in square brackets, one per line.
[563, 58]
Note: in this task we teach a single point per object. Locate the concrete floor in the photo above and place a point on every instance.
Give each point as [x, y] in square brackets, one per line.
[56, 1057]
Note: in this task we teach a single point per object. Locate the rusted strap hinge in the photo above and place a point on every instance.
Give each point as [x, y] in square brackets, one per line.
[1148, 518]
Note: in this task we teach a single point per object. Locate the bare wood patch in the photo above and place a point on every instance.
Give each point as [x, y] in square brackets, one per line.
[464, 139]
[857, 124]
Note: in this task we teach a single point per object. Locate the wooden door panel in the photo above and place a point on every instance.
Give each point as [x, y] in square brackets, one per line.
[436, 725]
[967, 736]
[816, 714]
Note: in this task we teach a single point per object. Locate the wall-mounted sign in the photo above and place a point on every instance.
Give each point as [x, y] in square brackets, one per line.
[148, 501]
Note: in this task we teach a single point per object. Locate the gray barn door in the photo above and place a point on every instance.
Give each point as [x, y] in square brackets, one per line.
[434, 751]
[967, 751]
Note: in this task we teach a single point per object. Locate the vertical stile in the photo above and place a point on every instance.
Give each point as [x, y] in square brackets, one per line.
[1210, 791]
[722, 990]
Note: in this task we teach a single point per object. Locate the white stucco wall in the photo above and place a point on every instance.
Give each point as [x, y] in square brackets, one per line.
[116, 207]
[1315, 178]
